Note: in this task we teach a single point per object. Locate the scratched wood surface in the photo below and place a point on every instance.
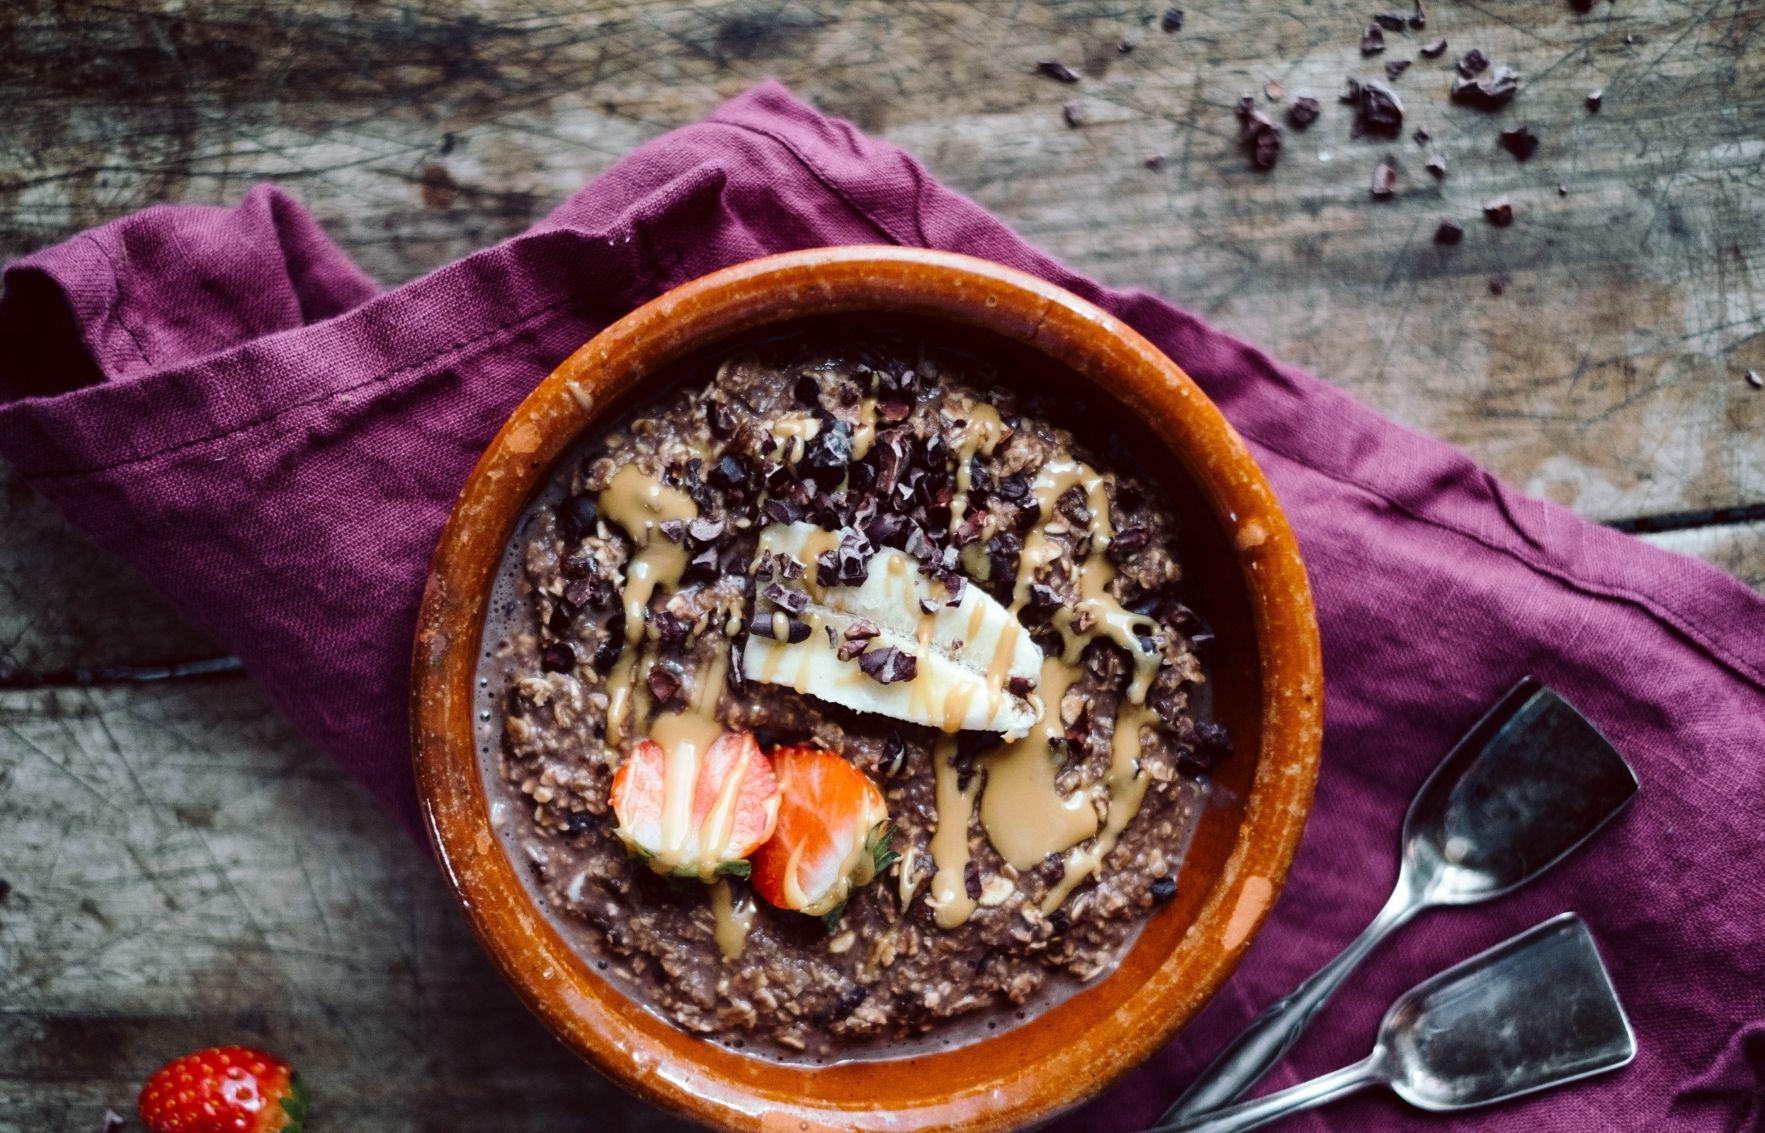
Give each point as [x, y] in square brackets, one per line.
[185, 870]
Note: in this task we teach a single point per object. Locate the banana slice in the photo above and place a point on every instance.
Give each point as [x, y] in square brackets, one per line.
[895, 645]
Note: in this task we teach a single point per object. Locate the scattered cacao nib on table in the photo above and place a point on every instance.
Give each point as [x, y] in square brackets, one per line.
[1075, 114]
[1396, 67]
[1472, 62]
[1389, 21]
[1434, 50]
[1261, 136]
[1594, 99]
[1156, 162]
[1378, 110]
[1498, 283]
[1499, 212]
[1373, 41]
[1520, 141]
[1171, 21]
[1303, 112]
[1754, 380]
[1384, 180]
[1448, 233]
[1056, 70]
[1490, 92]
[1436, 164]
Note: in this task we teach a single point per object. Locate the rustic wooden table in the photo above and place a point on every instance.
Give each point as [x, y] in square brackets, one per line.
[185, 870]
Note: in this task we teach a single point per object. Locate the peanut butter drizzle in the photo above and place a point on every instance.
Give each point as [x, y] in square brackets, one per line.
[639, 503]
[793, 434]
[864, 433]
[1023, 813]
[1127, 790]
[949, 899]
[734, 919]
[981, 433]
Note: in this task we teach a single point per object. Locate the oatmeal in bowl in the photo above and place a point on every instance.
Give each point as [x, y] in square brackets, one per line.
[866, 688]
[840, 695]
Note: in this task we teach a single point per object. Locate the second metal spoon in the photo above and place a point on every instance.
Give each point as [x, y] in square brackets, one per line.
[1529, 783]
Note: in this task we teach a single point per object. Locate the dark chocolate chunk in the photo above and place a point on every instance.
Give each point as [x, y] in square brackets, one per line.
[558, 657]
[1494, 90]
[1164, 888]
[971, 880]
[888, 665]
[1499, 212]
[1447, 233]
[1056, 70]
[1379, 111]
[830, 450]
[720, 418]
[1595, 99]
[1373, 41]
[1436, 164]
[672, 530]
[671, 628]
[1075, 113]
[1303, 112]
[1384, 180]
[1396, 67]
[1434, 50]
[664, 683]
[732, 470]
[1520, 141]
[577, 515]
[1473, 62]
[703, 531]
[894, 754]
[789, 598]
[1171, 21]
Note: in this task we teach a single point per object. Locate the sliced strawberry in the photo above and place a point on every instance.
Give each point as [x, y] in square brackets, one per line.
[730, 806]
[831, 836]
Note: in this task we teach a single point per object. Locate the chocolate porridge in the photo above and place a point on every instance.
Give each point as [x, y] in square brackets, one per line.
[841, 700]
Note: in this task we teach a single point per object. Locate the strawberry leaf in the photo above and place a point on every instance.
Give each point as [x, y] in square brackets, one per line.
[294, 1105]
[830, 920]
[738, 868]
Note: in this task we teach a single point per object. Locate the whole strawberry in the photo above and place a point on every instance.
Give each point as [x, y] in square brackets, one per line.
[226, 1089]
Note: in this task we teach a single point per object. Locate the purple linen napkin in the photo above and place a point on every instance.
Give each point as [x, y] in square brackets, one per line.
[221, 398]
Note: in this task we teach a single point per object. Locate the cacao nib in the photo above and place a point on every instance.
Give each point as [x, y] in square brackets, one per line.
[1130, 539]
[1520, 141]
[1171, 21]
[1390, 21]
[558, 657]
[1056, 70]
[971, 880]
[1379, 110]
[577, 515]
[703, 531]
[1015, 487]
[1373, 41]
[1261, 136]
[861, 630]
[1434, 50]
[1489, 93]
[793, 600]
[894, 754]
[1595, 99]
[1303, 112]
[1396, 67]
[1436, 164]
[664, 683]
[672, 530]
[671, 629]
[1164, 888]
[1499, 212]
[1472, 62]
[1075, 113]
[888, 665]
[1020, 686]
[720, 418]
[606, 654]
[1384, 180]
[830, 450]
[1448, 233]
[780, 510]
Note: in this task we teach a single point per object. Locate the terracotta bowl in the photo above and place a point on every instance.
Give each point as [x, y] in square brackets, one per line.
[1266, 686]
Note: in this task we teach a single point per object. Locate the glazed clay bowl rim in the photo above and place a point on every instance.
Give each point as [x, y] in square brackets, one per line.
[1029, 1071]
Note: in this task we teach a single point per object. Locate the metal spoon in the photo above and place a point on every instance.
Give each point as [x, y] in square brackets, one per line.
[1529, 783]
[1535, 1011]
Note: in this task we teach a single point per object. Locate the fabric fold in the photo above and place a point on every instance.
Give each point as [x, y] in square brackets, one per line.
[220, 397]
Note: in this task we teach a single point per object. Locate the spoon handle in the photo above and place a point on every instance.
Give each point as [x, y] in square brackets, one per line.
[1272, 1034]
[1252, 1114]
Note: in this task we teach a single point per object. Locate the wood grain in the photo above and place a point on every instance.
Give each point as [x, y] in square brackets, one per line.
[185, 871]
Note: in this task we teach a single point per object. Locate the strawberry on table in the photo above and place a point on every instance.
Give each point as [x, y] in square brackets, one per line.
[831, 837]
[695, 813]
[229, 1089]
